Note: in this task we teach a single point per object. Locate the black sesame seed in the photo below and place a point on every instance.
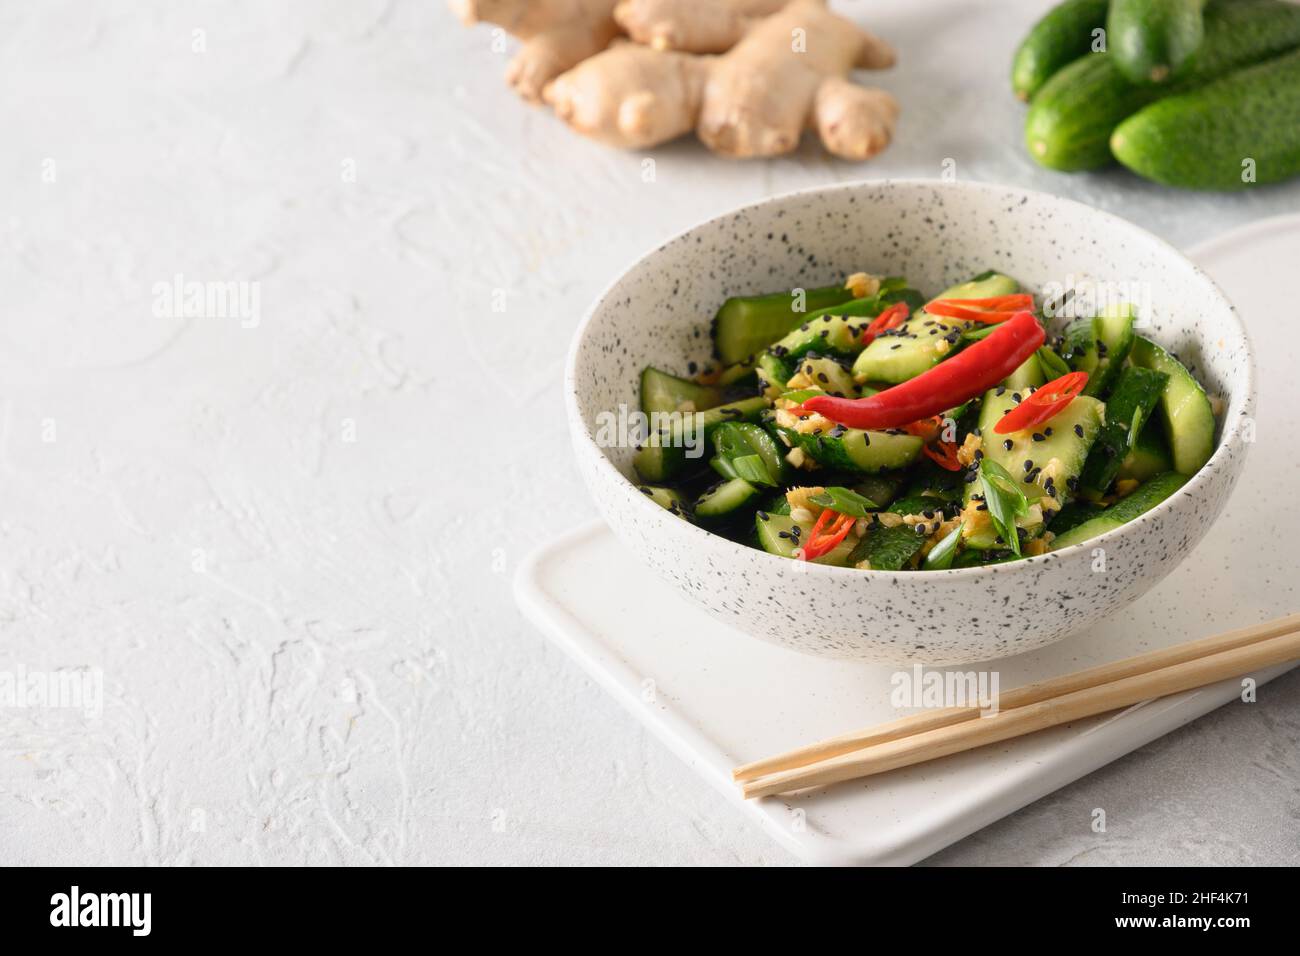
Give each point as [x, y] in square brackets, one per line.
[1008, 444]
[1078, 430]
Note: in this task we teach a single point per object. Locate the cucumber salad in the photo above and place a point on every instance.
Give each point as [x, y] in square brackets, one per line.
[876, 429]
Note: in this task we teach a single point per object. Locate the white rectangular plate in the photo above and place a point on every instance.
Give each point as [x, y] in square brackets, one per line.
[719, 698]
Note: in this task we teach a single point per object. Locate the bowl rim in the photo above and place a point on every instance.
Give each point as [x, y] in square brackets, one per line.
[1229, 431]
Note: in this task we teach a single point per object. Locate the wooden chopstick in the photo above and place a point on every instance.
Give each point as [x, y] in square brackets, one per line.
[1029, 718]
[1028, 694]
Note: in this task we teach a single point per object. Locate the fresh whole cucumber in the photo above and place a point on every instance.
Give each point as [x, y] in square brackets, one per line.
[1071, 119]
[1153, 40]
[1060, 37]
[1238, 131]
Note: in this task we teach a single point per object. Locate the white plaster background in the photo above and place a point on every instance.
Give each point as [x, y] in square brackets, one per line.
[308, 645]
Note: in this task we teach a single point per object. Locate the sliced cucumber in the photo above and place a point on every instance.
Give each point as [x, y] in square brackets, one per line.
[1028, 375]
[826, 374]
[738, 373]
[1148, 457]
[1136, 395]
[776, 535]
[827, 335]
[773, 371]
[1072, 515]
[1099, 346]
[924, 340]
[746, 324]
[661, 392]
[914, 347]
[986, 285]
[1143, 499]
[852, 449]
[670, 499]
[1185, 409]
[887, 549]
[664, 454]
[726, 498]
[742, 444]
[880, 488]
[1059, 456]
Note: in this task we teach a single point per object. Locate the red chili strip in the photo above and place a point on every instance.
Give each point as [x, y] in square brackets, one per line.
[823, 539]
[971, 372]
[1020, 300]
[1045, 403]
[891, 318]
[949, 310]
[944, 454]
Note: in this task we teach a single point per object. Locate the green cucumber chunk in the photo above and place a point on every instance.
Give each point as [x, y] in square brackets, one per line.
[851, 449]
[1148, 457]
[776, 536]
[828, 335]
[661, 392]
[1060, 455]
[670, 499]
[880, 488]
[726, 498]
[1185, 408]
[924, 340]
[1099, 346]
[914, 347]
[1072, 515]
[1135, 397]
[736, 442]
[826, 374]
[1142, 500]
[746, 324]
[664, 454]
[887, 549]
[1029, 374]
[986, 285]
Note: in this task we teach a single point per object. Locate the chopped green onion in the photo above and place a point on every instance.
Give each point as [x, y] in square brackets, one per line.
[845, 501]
[1052, 364]
[941, 555]
[1006, 502]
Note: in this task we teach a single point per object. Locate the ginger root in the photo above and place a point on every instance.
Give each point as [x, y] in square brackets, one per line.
[786, 74]
[692, 26]
[557, 35]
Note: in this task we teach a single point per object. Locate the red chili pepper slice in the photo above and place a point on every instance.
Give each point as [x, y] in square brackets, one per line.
[926, 428]
[949, 310]
[1016, 302]
[1045, 403]
[823, 539]
[970, 372]
[944, 454]
[891, 318]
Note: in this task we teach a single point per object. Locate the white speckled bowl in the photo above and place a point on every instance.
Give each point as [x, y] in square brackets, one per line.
[936, 234]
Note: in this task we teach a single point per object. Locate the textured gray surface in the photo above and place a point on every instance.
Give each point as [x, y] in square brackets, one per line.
[275, 543]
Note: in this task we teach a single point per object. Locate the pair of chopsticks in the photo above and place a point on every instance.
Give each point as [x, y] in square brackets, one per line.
[1098, 690]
